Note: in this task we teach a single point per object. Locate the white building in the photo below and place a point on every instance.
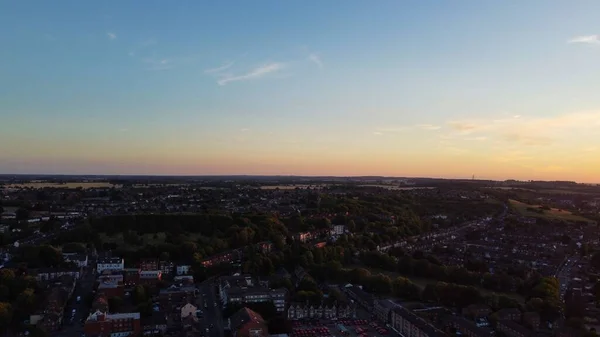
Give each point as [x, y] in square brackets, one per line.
[338, 230]
[110, 263]
[80, 260]
[183, 269]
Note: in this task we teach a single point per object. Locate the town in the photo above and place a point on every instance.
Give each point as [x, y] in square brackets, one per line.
[301, 257]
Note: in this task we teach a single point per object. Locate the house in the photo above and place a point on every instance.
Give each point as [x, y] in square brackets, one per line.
[513, 329]
[361, 297]
[338, 230]
[166, 267]
[149, 277]
[407, 323]
[465, 327]
[226, 257]
[103, 324]
[184, 279]
[247, 323]
[54, 306]
[111, 285]
[183, 269]
[512, 314]
[149, 264]
[156, 325]
[298, 311]
[80, 260]
[382, 310]
[189, 310]
[110, 263]
[175, 296]
[243, 289]
[49, 274]
[477, 310]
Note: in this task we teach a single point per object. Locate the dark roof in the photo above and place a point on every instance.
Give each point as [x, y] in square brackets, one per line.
[363, 295]
[420, 323]
[470, 326]
[244, 316]
[508, 311]
[516, 327]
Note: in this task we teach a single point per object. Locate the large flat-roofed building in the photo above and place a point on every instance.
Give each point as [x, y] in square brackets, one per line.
[110, 263]
[243, 289]
[102, 324]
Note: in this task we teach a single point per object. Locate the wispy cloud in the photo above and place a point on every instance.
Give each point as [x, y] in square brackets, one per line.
[586, 39]
[219, 69]
[165, 63]
[528, 131]
[244, 130]
[111, 36]
[377, 133]
[429, 127]
[252, 74]
[160, 64]
[316, 59]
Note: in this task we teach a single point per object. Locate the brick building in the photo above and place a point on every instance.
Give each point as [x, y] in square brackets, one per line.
[102, 324]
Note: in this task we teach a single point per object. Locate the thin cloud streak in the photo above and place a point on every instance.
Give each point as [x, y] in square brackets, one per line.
[219, 69]
[253, 74]
[111, 36]
[586, 39]
[316, 59]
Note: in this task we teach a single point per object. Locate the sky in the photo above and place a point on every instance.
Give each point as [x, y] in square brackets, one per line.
[496, 89]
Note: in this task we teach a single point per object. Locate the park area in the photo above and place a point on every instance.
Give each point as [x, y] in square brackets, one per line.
[548, 213]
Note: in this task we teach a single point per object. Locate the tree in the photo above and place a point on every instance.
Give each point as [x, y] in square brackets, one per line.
[6, 313]
[139, 294]
[115, 304]
[73, 247]
[22, 214]
[165, 256]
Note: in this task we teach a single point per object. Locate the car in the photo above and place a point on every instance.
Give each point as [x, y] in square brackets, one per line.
[78, 298]
[73, 311]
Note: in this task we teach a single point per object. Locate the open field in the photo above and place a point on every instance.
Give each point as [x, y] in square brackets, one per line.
[399, 188]
[423, 282]
[292, 187]
[147, 239]
[84, 185]
[552, 214]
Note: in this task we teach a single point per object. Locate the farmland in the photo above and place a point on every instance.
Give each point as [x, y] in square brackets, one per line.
[70, 185]
[537, 211]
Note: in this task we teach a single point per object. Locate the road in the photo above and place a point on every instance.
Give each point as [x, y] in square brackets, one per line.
[85, 286]
[212, 310]
[564, 275]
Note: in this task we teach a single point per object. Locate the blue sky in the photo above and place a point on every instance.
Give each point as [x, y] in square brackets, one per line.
[295, 87]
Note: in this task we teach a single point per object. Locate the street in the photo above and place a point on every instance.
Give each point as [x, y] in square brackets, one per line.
[84, 287]
[212, 310]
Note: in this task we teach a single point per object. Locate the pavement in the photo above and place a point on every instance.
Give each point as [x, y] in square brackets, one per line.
[212, 310]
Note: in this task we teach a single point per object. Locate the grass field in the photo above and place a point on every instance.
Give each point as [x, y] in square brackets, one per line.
[423, 282]
[291, 187]
[84, 185]
[552, 214]
[399, 188]
[147, 238]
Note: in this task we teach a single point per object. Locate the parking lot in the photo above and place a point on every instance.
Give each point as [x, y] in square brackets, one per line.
[343, 327]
